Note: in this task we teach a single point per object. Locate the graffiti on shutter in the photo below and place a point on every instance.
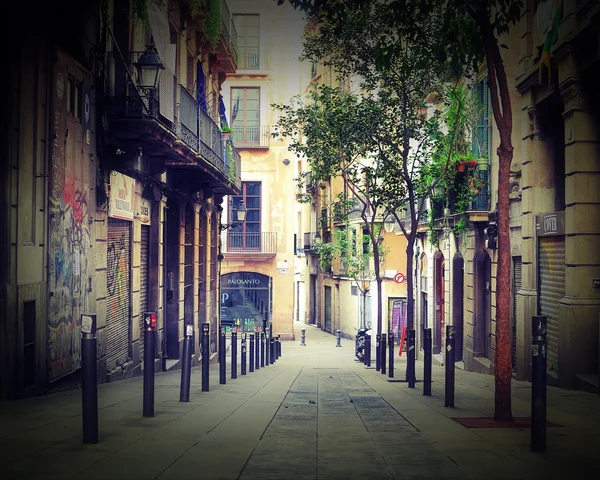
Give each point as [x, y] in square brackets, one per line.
[516, 286]
[117, 293]
[551, 290]
[143, 284]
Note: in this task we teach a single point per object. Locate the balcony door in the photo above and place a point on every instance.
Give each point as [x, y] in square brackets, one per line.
[245, 116]
[247, 236]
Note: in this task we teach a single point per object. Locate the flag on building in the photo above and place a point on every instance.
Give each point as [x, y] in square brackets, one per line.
[551, 39]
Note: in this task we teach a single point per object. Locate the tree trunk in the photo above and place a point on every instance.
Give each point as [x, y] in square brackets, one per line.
[503, 367]
[502, 111]
[410, 303]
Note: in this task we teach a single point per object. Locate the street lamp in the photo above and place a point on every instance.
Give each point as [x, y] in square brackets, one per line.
[240, 216]
[389, 223]
[149, 67]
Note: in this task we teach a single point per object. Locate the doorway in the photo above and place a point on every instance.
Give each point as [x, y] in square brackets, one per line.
[458, 263]
[439, 290]
[482, 322]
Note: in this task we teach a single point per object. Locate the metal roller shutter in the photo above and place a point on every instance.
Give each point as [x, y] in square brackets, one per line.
[143, 283]
[551, 290]
[117, 292]
[516, 286]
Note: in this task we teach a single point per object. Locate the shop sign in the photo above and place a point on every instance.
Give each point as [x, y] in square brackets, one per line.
[120, 204]
[550, 224]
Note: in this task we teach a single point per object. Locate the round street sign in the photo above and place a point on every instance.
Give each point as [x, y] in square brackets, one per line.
[399, 278]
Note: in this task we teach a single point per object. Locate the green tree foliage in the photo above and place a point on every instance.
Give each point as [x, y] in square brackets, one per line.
[468, 30]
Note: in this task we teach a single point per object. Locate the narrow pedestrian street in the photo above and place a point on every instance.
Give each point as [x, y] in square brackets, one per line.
[316, 413]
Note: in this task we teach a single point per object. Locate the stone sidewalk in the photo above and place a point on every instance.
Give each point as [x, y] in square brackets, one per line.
[315, 414]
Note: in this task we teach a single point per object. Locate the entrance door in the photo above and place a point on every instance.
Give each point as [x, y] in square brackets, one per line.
[439, 302]
[483, 319]
[328, 309]
[312, 298]
[458, 263]
[172, 307]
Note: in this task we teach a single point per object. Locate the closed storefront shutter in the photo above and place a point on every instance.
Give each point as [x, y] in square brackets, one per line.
[551, 290]
[516, 286]
[117, 292]
[143, 284]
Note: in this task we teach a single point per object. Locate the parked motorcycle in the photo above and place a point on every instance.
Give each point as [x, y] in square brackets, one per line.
[361, 338]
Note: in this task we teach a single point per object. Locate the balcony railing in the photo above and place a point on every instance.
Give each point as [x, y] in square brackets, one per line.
[310, 241]
[175, 108]
[249, 136]
[252, 243]
[251, 58]
[228, 29]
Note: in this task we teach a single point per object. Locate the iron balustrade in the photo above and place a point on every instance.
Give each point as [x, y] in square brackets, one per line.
[310, 241]
[252, 243]
[252, 136]
[228, 29]
[175, 108]
[188, 118]
[251, 58]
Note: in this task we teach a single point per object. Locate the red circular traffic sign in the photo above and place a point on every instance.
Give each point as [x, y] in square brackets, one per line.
[399, 278]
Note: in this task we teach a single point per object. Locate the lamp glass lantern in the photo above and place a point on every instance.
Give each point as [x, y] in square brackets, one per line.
[149, 67]
[240, 212]
[389, 223]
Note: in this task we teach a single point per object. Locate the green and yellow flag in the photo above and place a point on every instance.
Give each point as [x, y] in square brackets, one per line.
[551, 39]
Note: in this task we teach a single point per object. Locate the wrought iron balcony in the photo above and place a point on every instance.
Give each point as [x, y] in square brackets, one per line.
[246, 244]
[250, 136]
[180, 130]
[310, 242]
[252, 58]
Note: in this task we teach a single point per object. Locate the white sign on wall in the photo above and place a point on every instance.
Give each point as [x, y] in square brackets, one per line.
[120, 204]
[145, 211]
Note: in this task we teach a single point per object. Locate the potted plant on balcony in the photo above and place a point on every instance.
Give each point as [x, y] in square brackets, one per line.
[226, 132]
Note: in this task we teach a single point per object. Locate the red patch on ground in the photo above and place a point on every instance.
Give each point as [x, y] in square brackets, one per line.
[489, 422]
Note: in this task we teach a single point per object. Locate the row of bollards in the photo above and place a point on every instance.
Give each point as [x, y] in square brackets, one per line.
[538, 381]
[263, 352]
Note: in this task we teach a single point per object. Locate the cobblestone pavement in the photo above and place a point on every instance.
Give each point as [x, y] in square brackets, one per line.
[315, 414]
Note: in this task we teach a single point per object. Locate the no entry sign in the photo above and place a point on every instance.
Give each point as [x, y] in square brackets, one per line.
[399, 278]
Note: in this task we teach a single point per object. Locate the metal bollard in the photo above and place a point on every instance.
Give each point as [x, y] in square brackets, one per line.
[368, 350]
[538, 383]
[262, 349]
[410, 370]
[272, 350]
[186, 365]
[205, 356]
[303, 337]
[251, 352]
[149, 345]
[89, 378]
[391, 355]
[222, 359]
[449, 364]
[427, 361]
[377, 353]
[278, 346]
[233, 354]
[257, 353]
[338, 334]
[244, 348]
[383, 352]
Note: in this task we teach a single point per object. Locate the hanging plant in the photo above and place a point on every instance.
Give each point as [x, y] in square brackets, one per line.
[208, 15]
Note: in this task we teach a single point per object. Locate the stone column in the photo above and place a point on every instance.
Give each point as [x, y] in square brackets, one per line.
[537, 185]
[578, 311]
